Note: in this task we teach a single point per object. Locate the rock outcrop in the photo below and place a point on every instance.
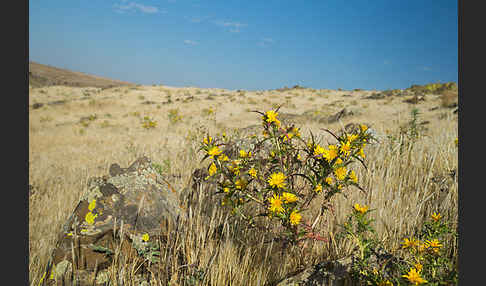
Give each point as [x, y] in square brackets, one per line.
[127, 212]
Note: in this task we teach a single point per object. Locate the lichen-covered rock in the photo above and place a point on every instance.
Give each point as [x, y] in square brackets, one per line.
[340, 272]
[327, 273]
[134, 205]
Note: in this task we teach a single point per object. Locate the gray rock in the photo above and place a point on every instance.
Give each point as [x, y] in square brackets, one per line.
[136, 199]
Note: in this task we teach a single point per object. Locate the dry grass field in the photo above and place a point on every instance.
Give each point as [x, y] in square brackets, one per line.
[76, 133]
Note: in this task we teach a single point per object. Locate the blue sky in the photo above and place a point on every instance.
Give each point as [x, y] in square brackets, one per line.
[252, 45]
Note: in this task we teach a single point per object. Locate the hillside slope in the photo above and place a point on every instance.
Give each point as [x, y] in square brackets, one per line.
[43, 75]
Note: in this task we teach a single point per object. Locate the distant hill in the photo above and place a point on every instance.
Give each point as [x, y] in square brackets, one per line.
[43, 75]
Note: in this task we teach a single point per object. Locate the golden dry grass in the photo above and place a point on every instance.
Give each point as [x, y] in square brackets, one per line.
[63, 154]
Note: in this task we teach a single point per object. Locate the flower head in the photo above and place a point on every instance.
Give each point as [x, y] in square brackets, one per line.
[329, 180]
[271, 116]
[363, 127]
[330, 154]
[92, 205]
[145, 237]
[212, 169]
[434, 244]
[90, 217]
[414, 277]
[295, 218]
[436, 216]
[277, 180]
[361, 153]
[352, 176]
[207, 140]
[276, 204]
[214, 151]
[361, 209]
[340, 173]
[318, 150]
[296, 131]
[252, 172]
[351, 137]
[244, 154]
[318, 188]
[345, 147]
[289, 197]
[223, 157]
[412, 242]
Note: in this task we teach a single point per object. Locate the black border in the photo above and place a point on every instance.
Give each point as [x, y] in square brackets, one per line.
[471, 205]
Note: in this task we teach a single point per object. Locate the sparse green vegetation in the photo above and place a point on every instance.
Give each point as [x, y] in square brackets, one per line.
[174, 116]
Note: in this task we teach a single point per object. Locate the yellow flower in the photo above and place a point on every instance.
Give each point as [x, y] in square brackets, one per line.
[223, 157]
[362, 209]
[436, 217]
[241, 184]
[318, 188]
[207, 140]
[363, 127]
[90, 217]
[295, 218]
[418, 266]
[434, 244]
[340, 173]
[351, 137]
[92, 205]
[234, 167]
[385, 283]
[276, 204]
[243, 154]
[288, 136]
[277, 180]
[352, 176]
[271, 116]
[296, 131]
[414, 277]
[252, 172]
[318, 150]
[331, 153]
[214, 151]
[345, 148]
[361, 153]
[456, 141]
[212, 169]
[329, 180]
[338, 161]
[289, 197]
[145, 237]
[339, 186]
[299, 157]
[226, 190]
[412, 242]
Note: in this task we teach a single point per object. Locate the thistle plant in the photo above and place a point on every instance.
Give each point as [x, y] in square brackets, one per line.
[148, 122]
[278, 176]
[423, 259]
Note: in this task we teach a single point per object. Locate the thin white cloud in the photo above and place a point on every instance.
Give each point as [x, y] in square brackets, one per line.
[133, 6]
[426, 68]
[233, 27]
[190, 42]
[265, 42]
[386, 62]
